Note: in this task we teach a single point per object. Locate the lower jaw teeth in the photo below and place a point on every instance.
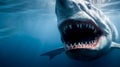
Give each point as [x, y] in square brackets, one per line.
[81, 46]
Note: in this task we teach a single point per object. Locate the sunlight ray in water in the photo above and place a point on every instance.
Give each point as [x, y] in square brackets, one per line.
[6, 32]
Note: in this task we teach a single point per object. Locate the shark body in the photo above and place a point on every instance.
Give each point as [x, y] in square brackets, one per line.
[86, 32]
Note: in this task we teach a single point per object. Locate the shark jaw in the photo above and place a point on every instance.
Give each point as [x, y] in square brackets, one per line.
[80, 34]
[83, 40]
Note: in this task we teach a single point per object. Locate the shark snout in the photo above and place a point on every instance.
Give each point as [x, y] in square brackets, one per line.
[71, 9]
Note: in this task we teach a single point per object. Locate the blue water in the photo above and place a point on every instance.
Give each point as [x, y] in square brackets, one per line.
[32, 32]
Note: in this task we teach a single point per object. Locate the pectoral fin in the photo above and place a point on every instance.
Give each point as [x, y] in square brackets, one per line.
[115, 45]
[52, 54]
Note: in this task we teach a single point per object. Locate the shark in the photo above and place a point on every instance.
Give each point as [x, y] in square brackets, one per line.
[86, 32]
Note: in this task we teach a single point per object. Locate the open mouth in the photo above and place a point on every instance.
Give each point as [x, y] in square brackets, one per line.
[80, 34]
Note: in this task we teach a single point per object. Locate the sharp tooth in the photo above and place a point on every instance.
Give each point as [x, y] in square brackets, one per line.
[86, 25]
[85, 42]
[84, 45]
[95, 41]
[92, 27]
[95, 31]
[92, 42]
[78, 25]
[74, 45]
[80, 46]
[70, 26]
[87, 46]
[71, 46]
[89, 26]
[67, 46]
[81, 43]
[89, 42]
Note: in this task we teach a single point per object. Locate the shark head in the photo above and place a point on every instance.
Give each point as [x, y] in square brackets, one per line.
[86, 32]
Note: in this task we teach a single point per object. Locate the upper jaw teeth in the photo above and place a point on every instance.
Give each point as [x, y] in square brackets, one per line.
[80, 26]
[81, 45]
[70, 26]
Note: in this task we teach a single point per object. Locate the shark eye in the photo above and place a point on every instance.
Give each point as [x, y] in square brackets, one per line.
[89, 5]
[85, 6]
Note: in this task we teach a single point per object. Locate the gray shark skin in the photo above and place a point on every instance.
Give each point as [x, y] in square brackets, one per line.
[86, 32]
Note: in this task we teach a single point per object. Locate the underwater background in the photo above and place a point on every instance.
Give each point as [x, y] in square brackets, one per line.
[28, 28]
